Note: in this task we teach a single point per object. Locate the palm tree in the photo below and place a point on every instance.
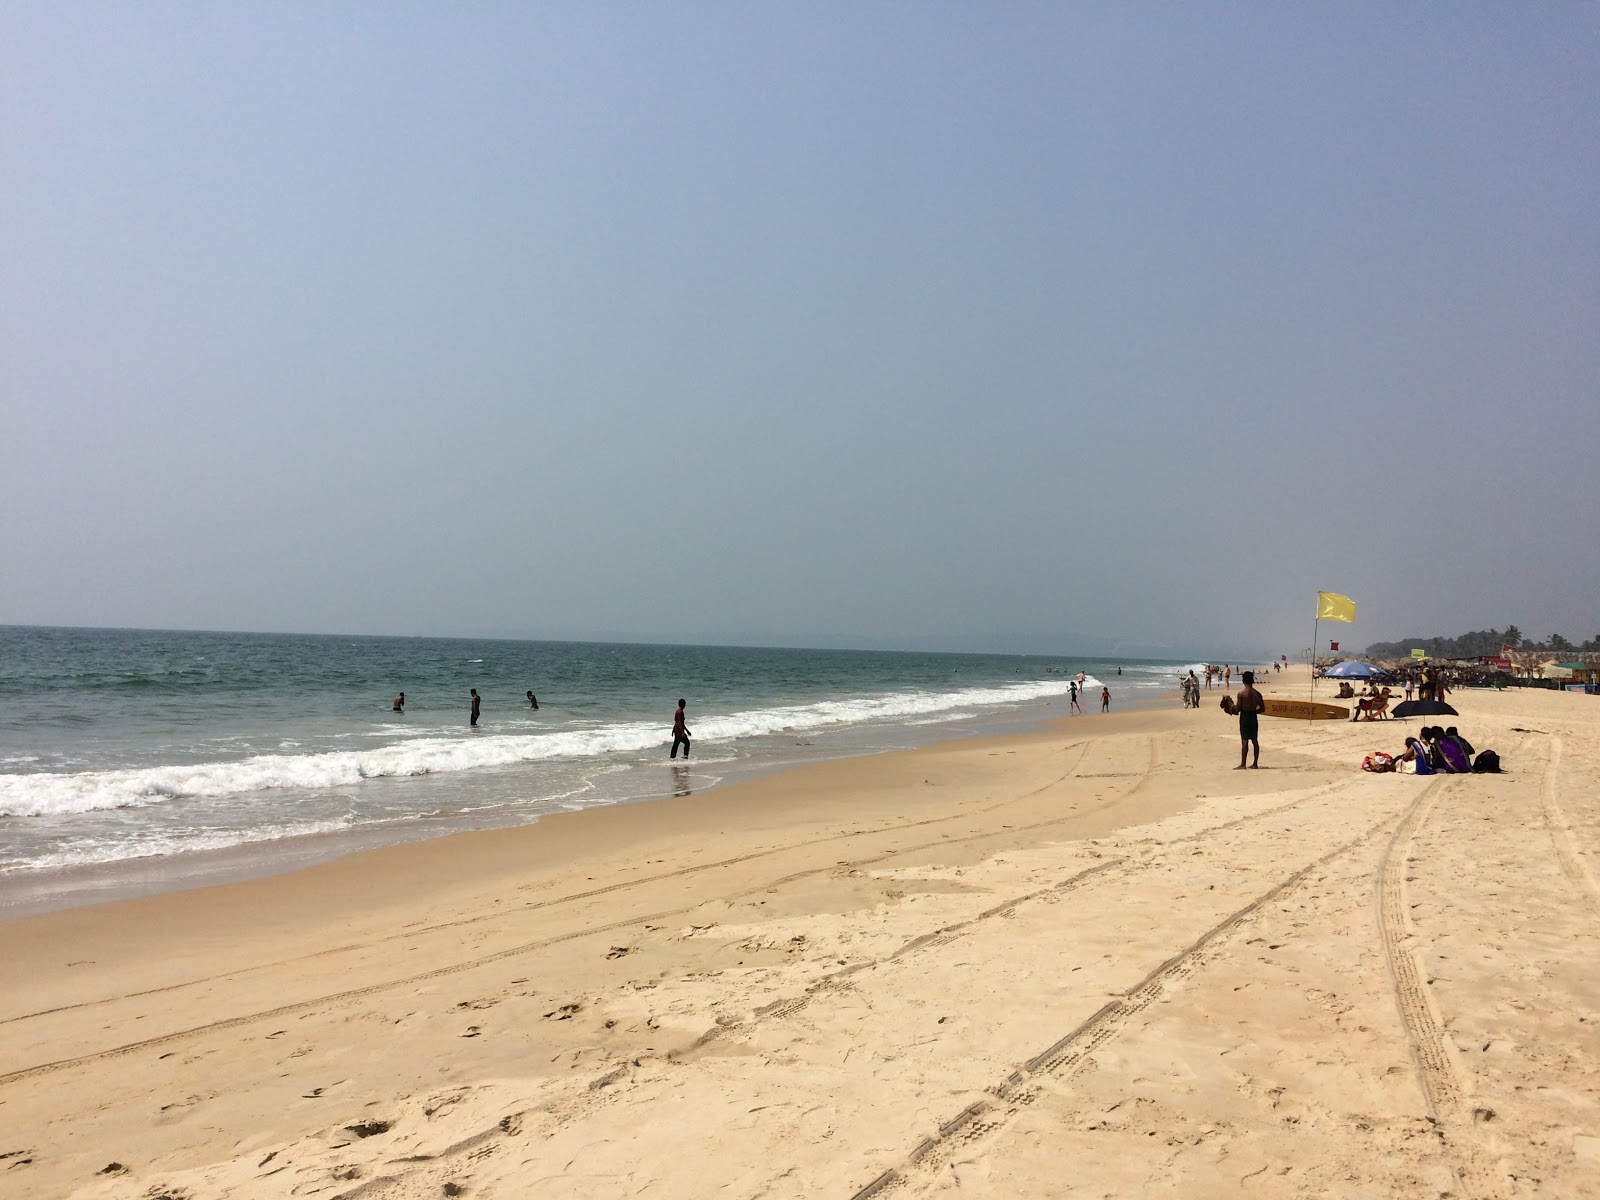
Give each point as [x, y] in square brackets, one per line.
[1513, 636]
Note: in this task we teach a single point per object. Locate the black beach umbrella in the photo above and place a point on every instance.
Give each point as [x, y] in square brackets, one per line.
[1423, 708]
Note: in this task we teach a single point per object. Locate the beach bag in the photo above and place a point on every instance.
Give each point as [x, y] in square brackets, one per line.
[1378, 762]
[1487, 763]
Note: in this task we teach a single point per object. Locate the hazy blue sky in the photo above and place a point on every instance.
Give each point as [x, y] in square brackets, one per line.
[1136, 321]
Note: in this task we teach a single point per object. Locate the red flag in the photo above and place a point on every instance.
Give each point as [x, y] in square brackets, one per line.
[1334, 647]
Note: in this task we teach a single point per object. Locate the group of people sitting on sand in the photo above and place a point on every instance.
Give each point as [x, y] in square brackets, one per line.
[1371, 705]
[1436, 752]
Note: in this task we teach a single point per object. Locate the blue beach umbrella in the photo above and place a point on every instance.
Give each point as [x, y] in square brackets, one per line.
[1354, 668]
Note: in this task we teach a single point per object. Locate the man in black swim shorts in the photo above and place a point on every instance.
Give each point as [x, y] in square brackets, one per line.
[1249, 704]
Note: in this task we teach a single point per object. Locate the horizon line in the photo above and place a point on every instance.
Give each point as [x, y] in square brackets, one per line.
[907, 643]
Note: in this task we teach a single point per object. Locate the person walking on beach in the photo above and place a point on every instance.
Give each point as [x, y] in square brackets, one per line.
[1072, 698]
[400, 703]
[1105, 699]
[680, 731]
[533, 701]
[476, 705]
[1249, 706]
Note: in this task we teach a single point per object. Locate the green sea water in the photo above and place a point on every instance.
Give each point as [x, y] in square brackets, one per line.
[149, 746]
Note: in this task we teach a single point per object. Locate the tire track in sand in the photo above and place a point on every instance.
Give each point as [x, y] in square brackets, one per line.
[927, 941]
[1443, 1084]
[416, 931]
[347, 994]
[949, 933]
[1059, 1061]
[611, 1084]
[1573, 861]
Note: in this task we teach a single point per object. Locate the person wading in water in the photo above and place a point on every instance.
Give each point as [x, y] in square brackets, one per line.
[680, 732]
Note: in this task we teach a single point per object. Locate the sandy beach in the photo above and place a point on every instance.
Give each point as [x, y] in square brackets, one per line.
[1090, 961]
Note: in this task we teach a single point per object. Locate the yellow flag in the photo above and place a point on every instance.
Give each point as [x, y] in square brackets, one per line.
[1333, 607]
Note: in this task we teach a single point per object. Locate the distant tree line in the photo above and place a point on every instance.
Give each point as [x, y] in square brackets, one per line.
[1478, 643]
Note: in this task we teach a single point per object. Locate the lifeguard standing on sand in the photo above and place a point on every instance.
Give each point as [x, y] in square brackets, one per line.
[1248, 706]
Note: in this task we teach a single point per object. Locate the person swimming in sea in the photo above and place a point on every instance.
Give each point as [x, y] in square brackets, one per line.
[400, 703]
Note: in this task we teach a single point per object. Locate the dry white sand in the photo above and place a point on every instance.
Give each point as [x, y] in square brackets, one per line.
[1092, 962]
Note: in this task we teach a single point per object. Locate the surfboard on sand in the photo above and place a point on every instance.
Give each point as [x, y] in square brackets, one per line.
[1298, 710]
[1307, 710]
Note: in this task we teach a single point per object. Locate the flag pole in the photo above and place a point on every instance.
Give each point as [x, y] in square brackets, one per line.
[1315, 625]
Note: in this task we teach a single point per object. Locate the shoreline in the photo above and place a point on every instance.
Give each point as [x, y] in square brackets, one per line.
[30, 893]
[1097, 937]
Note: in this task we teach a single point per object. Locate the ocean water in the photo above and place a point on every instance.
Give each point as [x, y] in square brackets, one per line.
[124, 745]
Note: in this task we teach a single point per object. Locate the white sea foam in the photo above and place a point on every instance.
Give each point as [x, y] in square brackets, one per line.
[154, 845]
[61, 793]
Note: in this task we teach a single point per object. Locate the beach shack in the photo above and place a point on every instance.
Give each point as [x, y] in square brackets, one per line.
[1579, 675]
